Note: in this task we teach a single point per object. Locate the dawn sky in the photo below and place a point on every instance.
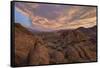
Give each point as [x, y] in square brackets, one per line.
[54, 17]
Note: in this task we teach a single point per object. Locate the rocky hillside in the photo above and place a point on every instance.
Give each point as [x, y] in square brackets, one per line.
[64, 46]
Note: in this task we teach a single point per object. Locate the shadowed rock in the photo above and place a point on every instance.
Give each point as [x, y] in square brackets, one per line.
[64, 46]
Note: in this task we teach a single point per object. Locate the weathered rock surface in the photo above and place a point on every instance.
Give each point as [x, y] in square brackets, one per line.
[65, 46]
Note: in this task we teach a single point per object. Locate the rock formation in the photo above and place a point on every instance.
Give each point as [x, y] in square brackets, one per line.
[64, 46]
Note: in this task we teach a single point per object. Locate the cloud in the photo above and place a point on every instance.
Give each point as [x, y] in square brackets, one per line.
[56, 17]
[26, 8]
[90, 22]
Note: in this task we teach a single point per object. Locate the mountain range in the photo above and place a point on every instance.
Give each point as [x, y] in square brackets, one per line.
[61, 46]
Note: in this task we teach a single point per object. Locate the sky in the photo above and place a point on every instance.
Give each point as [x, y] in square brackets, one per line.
[47, 17]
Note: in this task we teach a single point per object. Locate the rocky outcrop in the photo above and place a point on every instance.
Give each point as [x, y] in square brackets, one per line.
[39, 54]
[24, 41]
[65, 46]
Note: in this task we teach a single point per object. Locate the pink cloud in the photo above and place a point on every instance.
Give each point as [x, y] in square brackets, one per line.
[69, 17]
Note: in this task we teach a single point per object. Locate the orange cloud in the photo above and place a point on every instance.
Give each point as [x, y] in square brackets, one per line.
[71, 17]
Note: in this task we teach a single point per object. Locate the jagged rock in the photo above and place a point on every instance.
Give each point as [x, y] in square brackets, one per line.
[24, 40]
[56, 56]
[39, 54]
[65, 46]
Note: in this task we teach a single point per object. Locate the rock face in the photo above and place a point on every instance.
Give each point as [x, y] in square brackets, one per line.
[39, 54]
[65, 46]
[24, 41]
